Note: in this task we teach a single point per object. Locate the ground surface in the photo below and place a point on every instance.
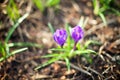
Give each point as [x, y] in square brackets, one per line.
[105, 66]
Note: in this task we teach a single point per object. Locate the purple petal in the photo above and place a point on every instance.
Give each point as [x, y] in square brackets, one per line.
[77, 33]
[60, 36]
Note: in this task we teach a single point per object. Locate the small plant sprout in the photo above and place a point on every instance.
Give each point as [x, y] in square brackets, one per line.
[70, 36]
[60, 37]
[5, 46]
[77, 34]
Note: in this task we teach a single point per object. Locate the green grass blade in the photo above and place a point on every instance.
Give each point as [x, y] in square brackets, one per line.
[117, 12]
[2, 58]
[39, 4]
[22, 44]
[12, 10]
[88, 58]
[88, 51]
[7, 49]
[51, 3]
[60, 56]
[2, 49]
[46, 63]
[91, 42]
[51, 28]
[55, 49]
[18, 51]
[50, 55]
[67, 63]
[69, 40]
[103, 18]
[96, 6]
[15, 26]
[13, 53]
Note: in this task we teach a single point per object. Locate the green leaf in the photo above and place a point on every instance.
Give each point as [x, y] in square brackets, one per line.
[61, 49]
[12, 10]
[15, 26]
[39, 4]
[13, 53]
[91, 42]
[69, 40]
[18, 51]
[22, 44]
[50, 55]
[46, 63]
[103, 18]
[96, 6]
[2, 58]
[88, 58]
[54, 58]
[67, 63]
[51, 28]
[115, 11]
[52, 3]
[88, 51]
[2, 50]
[7, 50]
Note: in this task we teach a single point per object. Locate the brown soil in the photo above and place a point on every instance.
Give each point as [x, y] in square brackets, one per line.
[105, 65]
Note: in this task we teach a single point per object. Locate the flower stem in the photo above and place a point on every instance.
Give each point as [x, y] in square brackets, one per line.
[74, 48]
[61, 46]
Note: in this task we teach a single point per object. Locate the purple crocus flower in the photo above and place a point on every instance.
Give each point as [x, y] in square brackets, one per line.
[77, 34]
[60, 36]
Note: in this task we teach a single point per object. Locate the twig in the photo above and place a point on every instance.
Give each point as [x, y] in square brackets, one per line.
[88, 68]
[101, 50]
[77, 68]
[108, 78]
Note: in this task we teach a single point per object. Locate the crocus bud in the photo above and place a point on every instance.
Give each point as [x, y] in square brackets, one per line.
[60, 36]
[77, 33]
